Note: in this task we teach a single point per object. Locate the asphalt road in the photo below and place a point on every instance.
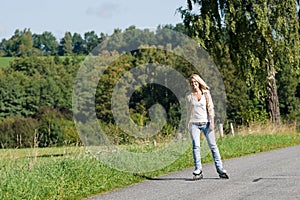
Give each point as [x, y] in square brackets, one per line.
[271, 175]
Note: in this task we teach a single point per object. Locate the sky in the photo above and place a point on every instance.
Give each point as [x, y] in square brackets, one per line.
[59, 16]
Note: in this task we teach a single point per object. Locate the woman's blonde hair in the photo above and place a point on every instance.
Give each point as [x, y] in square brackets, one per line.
[201, 82]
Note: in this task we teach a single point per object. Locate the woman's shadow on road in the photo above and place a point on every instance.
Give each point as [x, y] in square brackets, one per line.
[176, 179]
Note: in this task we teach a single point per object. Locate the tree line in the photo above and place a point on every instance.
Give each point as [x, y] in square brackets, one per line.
[26, 43]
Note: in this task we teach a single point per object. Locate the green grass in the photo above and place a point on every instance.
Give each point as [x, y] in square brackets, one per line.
[70, 173]
[4, 61]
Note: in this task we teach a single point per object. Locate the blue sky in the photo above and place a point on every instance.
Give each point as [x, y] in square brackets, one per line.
[59, 16]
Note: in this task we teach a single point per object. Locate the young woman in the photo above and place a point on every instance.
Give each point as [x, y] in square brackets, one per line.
[200, 117]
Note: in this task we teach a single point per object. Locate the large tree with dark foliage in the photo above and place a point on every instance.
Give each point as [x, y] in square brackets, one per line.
[249, 38]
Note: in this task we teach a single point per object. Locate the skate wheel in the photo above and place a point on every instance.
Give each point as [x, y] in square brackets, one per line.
[197, 177]
[224, 176]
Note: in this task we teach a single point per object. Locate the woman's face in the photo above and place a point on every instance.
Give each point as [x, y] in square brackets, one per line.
[194, 84]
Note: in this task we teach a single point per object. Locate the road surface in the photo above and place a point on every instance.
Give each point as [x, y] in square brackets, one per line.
[271, 175]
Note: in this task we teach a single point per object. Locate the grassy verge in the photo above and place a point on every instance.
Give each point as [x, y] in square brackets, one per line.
[70, 173]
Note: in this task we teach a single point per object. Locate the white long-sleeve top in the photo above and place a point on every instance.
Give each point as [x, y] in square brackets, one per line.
[200, 111]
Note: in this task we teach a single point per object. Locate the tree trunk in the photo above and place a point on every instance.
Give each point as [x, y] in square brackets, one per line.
[272, 97]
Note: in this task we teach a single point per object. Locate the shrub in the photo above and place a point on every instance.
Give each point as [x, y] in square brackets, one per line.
[18, 132]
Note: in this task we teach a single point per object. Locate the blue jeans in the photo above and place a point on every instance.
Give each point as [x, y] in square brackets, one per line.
[195, 130]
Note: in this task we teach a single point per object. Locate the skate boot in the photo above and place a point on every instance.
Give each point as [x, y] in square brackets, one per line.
[223, 173]
[197, 174]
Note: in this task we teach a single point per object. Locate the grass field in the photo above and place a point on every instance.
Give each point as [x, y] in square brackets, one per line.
[4, 61]
[71, 173]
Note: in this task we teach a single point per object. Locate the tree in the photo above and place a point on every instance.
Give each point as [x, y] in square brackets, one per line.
[46, 42]
[20, 44]
[91, 41]
[12, 95]
[65, 48]
[250, 34]
[26, 44]
[78, 44]
[6, 47]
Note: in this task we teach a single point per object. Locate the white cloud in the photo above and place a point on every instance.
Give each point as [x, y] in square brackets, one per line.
[106, 10]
